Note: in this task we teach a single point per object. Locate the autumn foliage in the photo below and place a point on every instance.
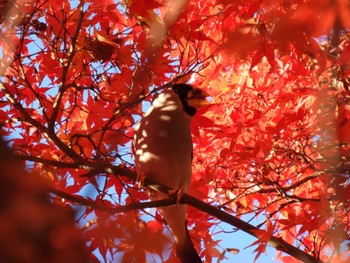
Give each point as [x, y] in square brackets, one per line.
[76, 76]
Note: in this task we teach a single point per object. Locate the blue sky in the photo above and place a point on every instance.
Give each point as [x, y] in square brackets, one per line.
[241, 241]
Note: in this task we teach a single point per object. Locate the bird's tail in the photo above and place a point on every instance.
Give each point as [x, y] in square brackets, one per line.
[186, 251]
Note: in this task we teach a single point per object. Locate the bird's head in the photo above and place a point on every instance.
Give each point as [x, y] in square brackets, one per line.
[191, 98]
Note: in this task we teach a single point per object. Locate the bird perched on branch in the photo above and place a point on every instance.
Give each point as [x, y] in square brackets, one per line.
[163, 153]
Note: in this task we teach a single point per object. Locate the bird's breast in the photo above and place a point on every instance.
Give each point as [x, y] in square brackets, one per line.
[163, 146]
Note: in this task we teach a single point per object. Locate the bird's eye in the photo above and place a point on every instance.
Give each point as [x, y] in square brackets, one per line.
[196, 92]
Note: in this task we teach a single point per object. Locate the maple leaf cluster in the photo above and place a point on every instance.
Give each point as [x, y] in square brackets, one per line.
[76, 76]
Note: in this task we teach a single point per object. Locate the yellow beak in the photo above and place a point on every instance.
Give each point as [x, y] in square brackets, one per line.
[197, 98]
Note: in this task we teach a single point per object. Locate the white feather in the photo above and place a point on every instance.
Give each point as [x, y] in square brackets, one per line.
[163, 147]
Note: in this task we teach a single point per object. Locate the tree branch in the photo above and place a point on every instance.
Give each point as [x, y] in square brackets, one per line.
[58, 164]
[113, 210]
[275, 242]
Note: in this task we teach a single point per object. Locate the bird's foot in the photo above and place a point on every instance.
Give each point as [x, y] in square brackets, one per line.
[141, 178]
[179, 193]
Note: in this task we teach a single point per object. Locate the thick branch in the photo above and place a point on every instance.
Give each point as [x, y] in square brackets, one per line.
[275, 242]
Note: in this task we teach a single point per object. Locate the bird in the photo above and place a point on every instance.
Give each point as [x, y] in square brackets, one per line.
[163, 152]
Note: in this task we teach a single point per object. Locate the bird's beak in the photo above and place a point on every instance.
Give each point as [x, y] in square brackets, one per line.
[197, 98]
